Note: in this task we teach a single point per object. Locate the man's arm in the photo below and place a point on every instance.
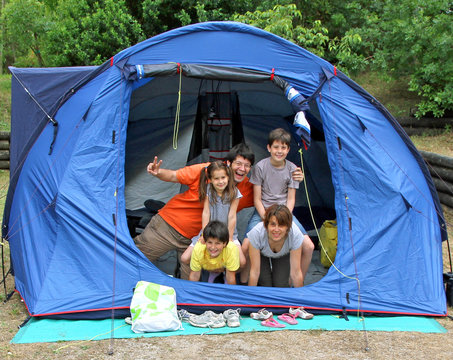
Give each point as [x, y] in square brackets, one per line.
[162, 174]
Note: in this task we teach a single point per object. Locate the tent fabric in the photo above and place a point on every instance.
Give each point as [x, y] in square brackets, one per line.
[65, 218]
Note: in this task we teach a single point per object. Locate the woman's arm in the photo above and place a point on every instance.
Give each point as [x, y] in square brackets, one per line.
[255, 264]
[295, 272]
[257, 200]
[291, 199]
[232, 217]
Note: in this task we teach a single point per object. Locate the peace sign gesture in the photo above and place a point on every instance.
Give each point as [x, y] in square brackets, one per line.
[154, 167]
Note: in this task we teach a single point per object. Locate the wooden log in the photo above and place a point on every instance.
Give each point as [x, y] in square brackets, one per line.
[4, 135]
[443, 186]
[4, 145]
[442, 173]
[4, 165]
[436, 159]
[445, 199]
[433, 123]
[411, 131]
[4, 155]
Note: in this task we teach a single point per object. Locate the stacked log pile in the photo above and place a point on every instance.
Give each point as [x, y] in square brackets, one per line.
[4, 150]
[414, 126]
[441, 169]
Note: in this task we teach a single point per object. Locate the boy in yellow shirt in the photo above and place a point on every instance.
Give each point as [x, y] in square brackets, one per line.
[216, 255]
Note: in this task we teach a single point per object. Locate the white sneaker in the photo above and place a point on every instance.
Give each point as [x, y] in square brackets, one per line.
[184, 315]
[207, 319]
[262, 314]
[232, 317]
[300, 312]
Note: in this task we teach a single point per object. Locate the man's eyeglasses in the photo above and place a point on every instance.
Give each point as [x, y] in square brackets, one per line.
[241, 164]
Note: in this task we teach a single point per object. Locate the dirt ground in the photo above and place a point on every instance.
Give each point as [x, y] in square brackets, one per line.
[274, 345]
[290, 344]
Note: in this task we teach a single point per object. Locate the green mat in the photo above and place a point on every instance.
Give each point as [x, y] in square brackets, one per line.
[46, 330]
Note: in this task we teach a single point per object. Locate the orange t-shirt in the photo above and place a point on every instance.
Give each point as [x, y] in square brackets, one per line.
[246, 189]
[183, 211]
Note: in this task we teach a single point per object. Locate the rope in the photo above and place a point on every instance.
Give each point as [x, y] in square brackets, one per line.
[178, 110]
[316, 227]
[359, 299]
[118, 164]
[84, 341]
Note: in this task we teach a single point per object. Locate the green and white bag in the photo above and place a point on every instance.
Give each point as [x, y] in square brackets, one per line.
[153, 308]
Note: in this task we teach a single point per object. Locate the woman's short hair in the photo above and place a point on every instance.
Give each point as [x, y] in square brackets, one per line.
[281, 213]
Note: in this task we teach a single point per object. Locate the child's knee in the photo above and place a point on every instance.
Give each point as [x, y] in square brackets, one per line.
[245, 246]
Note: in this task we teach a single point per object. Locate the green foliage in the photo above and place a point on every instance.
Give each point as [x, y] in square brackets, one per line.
[25, 23]
[161, 15]
[5, 105]
[88, 33]
[413, 37]
[305, 30]
[283, 20]
[399, 38]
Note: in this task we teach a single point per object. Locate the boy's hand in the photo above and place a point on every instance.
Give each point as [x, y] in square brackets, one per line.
[298, 175]
[154, 167]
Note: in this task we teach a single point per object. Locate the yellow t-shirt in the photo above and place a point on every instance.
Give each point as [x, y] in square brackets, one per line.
[228, 258]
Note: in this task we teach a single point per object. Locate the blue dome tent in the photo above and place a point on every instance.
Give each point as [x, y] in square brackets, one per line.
[81, 139]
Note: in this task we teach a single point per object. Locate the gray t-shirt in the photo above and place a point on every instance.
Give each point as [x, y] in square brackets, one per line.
[258, 237]
[274, 182]
[219, 210]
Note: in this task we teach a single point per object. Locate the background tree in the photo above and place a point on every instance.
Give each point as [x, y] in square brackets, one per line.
[412, 38]
[25, 24]
[305, 30]
[87, 32]
[395, 38]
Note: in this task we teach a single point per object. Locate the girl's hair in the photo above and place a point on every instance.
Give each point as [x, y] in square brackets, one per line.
[281, 213]
[216, 230]
[206, 174]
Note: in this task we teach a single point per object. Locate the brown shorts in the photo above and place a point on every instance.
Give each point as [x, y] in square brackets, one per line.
[158, 238]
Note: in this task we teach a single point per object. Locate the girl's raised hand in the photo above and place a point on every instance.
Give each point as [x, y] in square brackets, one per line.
[153, 167]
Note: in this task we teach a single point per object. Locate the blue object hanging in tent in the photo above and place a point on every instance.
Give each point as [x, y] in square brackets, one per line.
[301, 125]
